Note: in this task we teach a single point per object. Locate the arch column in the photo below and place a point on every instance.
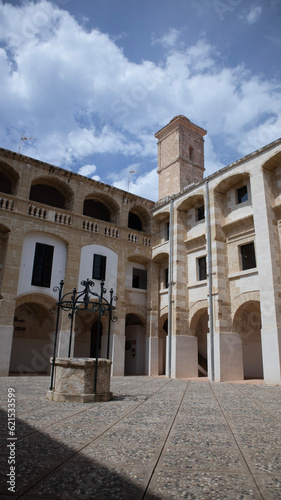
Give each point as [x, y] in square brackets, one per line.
[9, 292]
[184, 363]
[227, 346]
[268, 264]
[152, 340]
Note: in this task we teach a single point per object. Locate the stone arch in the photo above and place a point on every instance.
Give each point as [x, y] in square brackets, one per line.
[230, 181]
[243, 298]
[9, 179]
[272, 167]
[102, 207]
[135, 346]
[33, 337]
[199, 327]
[195, 312]
[247, 323]
[194, 200]
[51, 191]
[142, 215]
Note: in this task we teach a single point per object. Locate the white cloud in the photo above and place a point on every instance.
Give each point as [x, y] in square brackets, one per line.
[88, 171]
[169, 39]
[253, 15]
[144, 185]
[77, 94]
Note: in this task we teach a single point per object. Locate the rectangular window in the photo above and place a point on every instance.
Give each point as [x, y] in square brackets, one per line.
[242, 194]
[201, 213]
[248, 256]
[99, 267]
[139, 278]
[42, 265]
[202, 268]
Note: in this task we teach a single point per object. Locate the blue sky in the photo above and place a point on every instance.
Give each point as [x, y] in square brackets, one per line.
[92, 81]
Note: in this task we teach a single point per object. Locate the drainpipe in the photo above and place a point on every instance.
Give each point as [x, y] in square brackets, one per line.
[170, 291]
[209, 264]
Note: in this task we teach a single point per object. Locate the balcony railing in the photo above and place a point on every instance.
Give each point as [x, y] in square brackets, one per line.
[7, 204]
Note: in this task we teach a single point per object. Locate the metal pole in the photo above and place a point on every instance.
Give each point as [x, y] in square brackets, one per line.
[56, 334]
[170, 292]
[209, 264]
[109, 323]
[98, 335]
[71, 324]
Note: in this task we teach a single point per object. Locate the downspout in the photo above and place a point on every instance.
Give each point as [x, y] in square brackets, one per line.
[170, 291]
[209, 267]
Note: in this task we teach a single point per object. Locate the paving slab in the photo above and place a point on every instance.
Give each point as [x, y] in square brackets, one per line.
[157, 439]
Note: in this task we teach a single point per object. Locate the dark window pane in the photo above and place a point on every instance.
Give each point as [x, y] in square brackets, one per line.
[42, 265]
[134, 222]
[202, 269]
[47, 195]
[139, 279]
[248, 256]
[99, 267]
[96, 209]
[242, 194]
[201, 213]
[167, 231]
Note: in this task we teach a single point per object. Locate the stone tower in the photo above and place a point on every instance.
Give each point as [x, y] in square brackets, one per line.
[180, 155]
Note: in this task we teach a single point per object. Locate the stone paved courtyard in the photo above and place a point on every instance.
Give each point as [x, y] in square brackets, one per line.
[157, 439]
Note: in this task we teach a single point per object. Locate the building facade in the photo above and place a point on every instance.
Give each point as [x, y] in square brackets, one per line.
[197, 274]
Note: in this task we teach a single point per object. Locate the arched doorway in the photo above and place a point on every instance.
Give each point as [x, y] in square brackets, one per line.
[247, 322]
[201, 333]
[162, 347]
[32, 345]
[135, 346]
[86, 329]
[199, 327]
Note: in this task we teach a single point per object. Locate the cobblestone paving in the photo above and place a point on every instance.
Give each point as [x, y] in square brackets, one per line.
[157, 439]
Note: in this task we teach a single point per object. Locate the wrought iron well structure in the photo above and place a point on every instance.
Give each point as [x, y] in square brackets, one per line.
[81, 301]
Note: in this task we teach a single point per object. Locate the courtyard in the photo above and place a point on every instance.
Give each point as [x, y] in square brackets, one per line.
[157, 439]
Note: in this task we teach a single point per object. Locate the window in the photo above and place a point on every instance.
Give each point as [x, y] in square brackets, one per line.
[139, 278]
[191, 153]
[248, 256]
[134, 222]
[99, 266]
[166, 278]
[202, 268]
[42, 265]
[242, 194]
[201, 213]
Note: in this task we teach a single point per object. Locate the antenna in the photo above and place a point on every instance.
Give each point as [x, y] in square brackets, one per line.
[23, 139]
[129, 178]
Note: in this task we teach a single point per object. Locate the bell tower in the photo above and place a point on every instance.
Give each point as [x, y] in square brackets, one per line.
[180, 155]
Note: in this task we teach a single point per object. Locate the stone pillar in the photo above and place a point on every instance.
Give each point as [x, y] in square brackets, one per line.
[9, 293]
[268, 263]
[227, 356]
[152, 355]
[184, 356]
[118, 354]
[6, 339]
[184, 346]
[228, 360]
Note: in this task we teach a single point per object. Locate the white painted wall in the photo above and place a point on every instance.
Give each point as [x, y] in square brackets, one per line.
[86, 267]
[27, 259]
